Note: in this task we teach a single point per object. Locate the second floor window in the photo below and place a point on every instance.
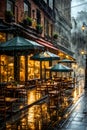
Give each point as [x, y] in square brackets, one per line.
[46, 27]
[10, 5]
[38, 16]
[51, 4]
[45, 1]
[27, 9]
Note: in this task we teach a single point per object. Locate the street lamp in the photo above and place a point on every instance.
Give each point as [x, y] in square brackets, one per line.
[83, 27]
[84, 52]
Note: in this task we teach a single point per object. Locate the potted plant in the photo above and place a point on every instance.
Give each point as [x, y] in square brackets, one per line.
[27, 21]
[9, 17]
[55, 35]
[39, 28]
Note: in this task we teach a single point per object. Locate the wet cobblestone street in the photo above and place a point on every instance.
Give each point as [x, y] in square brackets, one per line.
[39, 116]
[78, 118]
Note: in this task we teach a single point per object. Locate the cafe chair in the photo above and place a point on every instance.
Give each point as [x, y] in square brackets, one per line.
[4, 106]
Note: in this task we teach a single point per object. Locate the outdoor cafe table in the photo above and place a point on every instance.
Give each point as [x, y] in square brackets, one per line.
[54, 92]
[15, 89]
[9, 99]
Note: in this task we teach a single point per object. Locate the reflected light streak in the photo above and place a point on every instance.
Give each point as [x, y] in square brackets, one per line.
[36, 115]
[75, 98]
[31, 97]
[31, 118]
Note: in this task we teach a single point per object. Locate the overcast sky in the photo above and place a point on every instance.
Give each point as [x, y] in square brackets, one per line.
[77, 6]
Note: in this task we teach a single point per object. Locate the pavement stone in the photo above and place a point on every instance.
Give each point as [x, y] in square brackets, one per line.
[78, 118]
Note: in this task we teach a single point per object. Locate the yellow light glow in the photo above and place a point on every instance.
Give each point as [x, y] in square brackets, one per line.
[67, 56]
[82, 52]
[83, 28]
[1, 36]
[34, 23]
[60, 54]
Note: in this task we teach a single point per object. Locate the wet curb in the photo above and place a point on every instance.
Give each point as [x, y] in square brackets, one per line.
[60, 125]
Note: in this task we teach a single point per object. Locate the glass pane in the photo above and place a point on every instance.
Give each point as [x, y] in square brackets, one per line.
[46, 27]
[22, 68]
[26, 10]
[45, 64]
[33, 69]
[10, 72]
[6, 68]
[51, 4]
[2, 37]
[45, 1]
[37, 69]
[9, 6]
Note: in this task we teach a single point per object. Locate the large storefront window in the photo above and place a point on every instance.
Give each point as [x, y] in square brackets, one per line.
[22, 68]
[45, 74]
[6, 68]
[6, 62]
[33, 69]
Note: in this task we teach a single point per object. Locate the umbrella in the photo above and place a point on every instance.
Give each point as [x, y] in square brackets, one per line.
[60, 68]
[19, 45]
[45, 56]
[67, 61]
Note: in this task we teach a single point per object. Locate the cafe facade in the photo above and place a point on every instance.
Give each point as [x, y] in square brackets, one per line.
[35, 21]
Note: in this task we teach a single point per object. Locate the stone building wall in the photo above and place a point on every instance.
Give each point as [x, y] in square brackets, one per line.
[63, 20]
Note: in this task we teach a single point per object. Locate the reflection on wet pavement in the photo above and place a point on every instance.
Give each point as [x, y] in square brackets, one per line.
[43, 115]
[36, 117]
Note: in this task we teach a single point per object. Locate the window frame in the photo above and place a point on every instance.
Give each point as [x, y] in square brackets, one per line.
[11, 3]
[38, 16]
[29, 8]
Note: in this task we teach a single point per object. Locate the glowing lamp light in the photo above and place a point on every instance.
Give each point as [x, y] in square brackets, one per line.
[83, 27]
[82, 52]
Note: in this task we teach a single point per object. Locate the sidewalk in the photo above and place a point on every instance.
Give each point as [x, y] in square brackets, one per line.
[78, 118]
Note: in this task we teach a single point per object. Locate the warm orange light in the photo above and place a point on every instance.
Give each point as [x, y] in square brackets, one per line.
[1, 36]
[82, 52]
[34, 23]
[60, 54]
[67, 56]
[83, 27]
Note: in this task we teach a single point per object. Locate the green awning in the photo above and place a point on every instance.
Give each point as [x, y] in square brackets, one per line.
[60, 68]
[45, 56]
[66, 61]
[19, 45]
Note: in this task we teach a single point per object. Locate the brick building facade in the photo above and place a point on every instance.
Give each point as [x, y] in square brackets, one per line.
[15, 16]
